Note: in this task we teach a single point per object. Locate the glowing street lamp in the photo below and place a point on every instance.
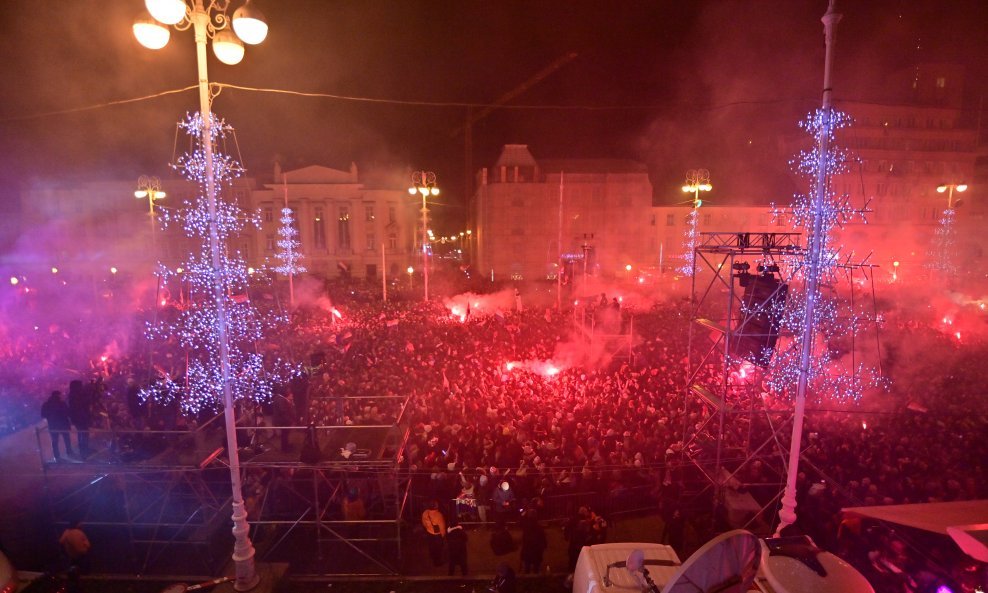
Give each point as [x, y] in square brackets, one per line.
[424, 183]
[949, 188]
[411, 278]
[944, 240]
[208, 19]
[697, 180]
[150, 188]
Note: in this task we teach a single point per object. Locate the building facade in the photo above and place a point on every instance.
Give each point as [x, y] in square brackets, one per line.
[346, 229]
[91, 228]
[905, 148]
[595, 213]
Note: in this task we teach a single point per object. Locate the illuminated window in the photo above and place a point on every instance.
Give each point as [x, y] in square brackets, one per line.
[369, 212]
[941, 82]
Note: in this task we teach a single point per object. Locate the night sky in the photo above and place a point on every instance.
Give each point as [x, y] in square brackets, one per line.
[677, 85]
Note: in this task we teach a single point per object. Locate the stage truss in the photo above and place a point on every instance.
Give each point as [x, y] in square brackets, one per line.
[737, 439]
[169, 512]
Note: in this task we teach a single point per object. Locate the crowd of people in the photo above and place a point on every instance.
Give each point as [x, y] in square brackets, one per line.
[516, 417]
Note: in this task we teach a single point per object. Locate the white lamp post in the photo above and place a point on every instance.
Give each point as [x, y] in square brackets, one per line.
[946, 233]
[697, 180]
[209, 20]
[150, 188]
[424, 183]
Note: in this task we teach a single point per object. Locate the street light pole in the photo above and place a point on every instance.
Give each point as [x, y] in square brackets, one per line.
[946, 230]
[424, 183]
[814, 263]
[211, 21]
[149, 187]
[697, 180]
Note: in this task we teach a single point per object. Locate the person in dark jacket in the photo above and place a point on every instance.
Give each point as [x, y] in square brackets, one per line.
[56, 412]
[501, 541]
[577, 532]
[533, 543]
[456, 547]
[284, 415]
[81, 414]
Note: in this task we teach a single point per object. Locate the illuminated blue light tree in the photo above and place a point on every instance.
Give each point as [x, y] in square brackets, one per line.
[216, 292]
[289, 248]
[814, 317]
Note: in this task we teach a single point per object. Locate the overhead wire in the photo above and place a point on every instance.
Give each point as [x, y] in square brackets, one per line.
[216, 87]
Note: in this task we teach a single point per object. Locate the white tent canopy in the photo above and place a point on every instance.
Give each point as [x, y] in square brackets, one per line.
[965, 521]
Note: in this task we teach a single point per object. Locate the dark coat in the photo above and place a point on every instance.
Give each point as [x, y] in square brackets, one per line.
[56, 412]
[80, 406]
[533, 541]
[456, 544]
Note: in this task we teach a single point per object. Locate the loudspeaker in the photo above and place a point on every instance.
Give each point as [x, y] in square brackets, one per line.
[757, 331]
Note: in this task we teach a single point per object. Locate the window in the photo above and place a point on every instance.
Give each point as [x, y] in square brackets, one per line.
[941, 82]
[392, 214]
[371, 271]
[392, 241]
[371, 242]
[268, 214]
[319, 228]
[369, 212]
[269, 243]
[706, 220]
[343, 228]
[670, 220]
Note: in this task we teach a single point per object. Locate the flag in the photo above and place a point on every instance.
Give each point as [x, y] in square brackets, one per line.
[445, 380]
[392, 322]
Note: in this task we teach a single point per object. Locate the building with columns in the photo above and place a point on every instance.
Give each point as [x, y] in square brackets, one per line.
[345, 227]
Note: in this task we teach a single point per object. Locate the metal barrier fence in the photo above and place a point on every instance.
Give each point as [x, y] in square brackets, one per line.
[556, 507]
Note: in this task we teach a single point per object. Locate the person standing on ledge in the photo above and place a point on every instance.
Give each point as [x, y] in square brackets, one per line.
[56, 412]
[435, 529]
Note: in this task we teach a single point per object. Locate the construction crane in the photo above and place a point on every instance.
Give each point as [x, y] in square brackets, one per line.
[473, 117]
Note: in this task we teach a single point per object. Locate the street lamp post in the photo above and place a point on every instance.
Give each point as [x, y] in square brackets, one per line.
[424, 183]
[944, 246]
[949, 188]
[209, 20]
[149, 187]
[697, 180]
